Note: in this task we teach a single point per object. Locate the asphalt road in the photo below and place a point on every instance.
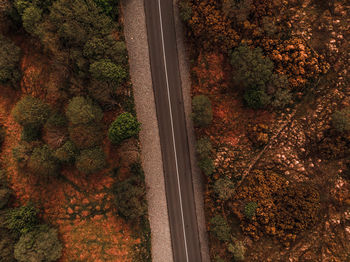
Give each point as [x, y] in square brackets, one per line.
[172, 130]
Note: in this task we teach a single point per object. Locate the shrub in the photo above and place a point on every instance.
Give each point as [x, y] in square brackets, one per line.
[56, 120]
[185, 11]
[105, 70]
[81, 110]
[130, 198]
[256, 98]
[22, 219]
[66, 153]
[282, 98]
[341, 120]
[224, 188]
[220, 228]
[125, 126]
[2, 134]
[86, 136]
[31, 111]
[204, 147]
[91, 160]
[22, 152]
[42, 162]
[41, 244]
[108, 6]
[31, 17]
[30, 133]
[202, 114]
[206, 164]
[251, 68]
[249, 209]
[9, 57]
[238, 250]
[7, 243]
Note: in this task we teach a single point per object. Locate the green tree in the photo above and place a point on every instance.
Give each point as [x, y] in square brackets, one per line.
[249, 209]
[91, 160]
[224, 188]
[22, 219]
[125, 126]
[2, 134]
[30, 133]
[341, 120]
[7, 243]
[130, 198]
[105, 70]
[41, 244]
[31, 18]
[5, 194]
[202, 114]
[206, 164]
[31, 111]
[82, 110]
[204, 147]
[238, 250]
[10, 56]
[185, 10]
[220, 228]
[256, 97]
[86, 136]
[43, 163]
[66, 153]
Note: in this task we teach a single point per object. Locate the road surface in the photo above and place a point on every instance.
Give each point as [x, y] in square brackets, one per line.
[172, 130]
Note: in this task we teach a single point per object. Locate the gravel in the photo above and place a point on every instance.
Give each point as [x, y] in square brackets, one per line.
[137, 44]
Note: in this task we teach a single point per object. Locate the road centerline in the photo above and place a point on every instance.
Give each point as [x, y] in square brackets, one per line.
[172, 129]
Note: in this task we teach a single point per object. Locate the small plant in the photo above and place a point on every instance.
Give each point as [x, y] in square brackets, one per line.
[206, 164]
[5, 194]
[341, 120]
[82, 110]
[204, 147]
[185, 10]
[41, 244]
[256, 98]
[31, 111]
[124, 127]
[66, 153]
[249, 209]
[91, 160]
[224, 188]
[106, 70]
[202, 114]
[238, 250]
[22, 219]
[2, 134]
[43, 163]
[220, 228]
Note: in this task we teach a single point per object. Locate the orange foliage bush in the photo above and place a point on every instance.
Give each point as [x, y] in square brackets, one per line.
[284, 210]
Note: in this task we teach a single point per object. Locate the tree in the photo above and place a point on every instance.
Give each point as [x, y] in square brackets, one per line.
[41, 244]
[42, 162]
[251, 69]
[5, 194]
[256, 97]
[202, 114]
[204, 147]
[185, 11]
[31, 111]
[224, 188]
[7, 243]
[105, 70]
[66, 153]
[220, 228]
[125, 126]
[341, 120]
[91, 160]
[31, 18]
[86, 136]
[30, 133]
[249, 209]
[238, 250]
[82, 110]
[10, 56]
[22, 219]
[2, 134]
[130, 198]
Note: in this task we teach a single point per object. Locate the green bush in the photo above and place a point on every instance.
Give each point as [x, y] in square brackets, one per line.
[42, 162]
[82, 110]
[125, 126]
[238, 250]
[224, 188]
[31, 17]
[22, 219]
[41, 244]
[251, 68]
[108, 6]
[86, 136]
[91, 160]
[185, 11]
[202, 114]
[10, 56]
[341, 120]
[30, 133]
[249, 209]
[256, 98]
[130, 198]
[31, 111]
[66, 153]
[105, 70]
[220, 228]
[206, 164]
[204, 147]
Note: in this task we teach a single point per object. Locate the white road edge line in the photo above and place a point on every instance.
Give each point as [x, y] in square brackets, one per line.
[172, 128]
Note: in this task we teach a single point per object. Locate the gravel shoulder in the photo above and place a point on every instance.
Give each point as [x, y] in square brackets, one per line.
[198, 184]
[137, 44]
